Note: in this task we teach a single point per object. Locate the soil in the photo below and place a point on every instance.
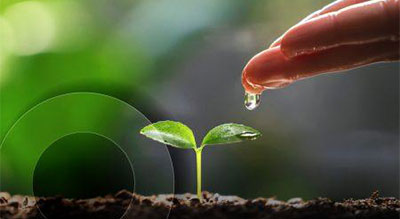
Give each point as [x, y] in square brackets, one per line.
[188, 206]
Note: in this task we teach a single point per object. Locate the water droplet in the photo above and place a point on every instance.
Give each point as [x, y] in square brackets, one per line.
[248, 134]
[251, 101]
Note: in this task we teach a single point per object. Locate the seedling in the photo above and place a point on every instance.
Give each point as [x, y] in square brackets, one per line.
[179, 135]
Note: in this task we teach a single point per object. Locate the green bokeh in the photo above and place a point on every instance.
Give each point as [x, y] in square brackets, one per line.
[125, 49]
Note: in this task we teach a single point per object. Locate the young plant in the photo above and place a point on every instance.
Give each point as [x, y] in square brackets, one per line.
[179, 135]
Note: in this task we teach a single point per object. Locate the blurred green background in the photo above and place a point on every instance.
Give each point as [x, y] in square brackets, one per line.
[334, 135]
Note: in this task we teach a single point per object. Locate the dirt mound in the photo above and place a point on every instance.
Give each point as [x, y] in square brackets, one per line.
[189, 206]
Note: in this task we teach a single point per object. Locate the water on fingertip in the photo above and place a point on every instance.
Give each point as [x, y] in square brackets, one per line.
[251, 101]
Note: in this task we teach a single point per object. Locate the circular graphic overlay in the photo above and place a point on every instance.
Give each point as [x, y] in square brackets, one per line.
[83, 166]
[51, 127]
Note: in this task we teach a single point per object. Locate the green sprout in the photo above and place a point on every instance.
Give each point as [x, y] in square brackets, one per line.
[179, 135]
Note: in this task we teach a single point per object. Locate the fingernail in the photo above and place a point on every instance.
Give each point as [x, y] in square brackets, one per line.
[250, 88]
[267, 70]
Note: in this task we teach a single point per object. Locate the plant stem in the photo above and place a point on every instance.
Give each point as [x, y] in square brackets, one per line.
[198, 170]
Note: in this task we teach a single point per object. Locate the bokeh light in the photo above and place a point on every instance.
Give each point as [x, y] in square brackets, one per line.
[32, 28]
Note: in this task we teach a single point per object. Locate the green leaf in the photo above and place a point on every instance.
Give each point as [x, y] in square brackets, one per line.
[230, 133]
[171, 133]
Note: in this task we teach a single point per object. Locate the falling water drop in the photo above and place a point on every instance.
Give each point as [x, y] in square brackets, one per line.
[251, 101]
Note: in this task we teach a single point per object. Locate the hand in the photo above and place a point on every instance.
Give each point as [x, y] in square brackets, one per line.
[343, 35]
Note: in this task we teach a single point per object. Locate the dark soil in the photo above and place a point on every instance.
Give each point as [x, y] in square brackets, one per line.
[188, 206]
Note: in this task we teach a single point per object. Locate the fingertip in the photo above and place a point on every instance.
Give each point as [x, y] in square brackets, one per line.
[269, 69]
[249, 87]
